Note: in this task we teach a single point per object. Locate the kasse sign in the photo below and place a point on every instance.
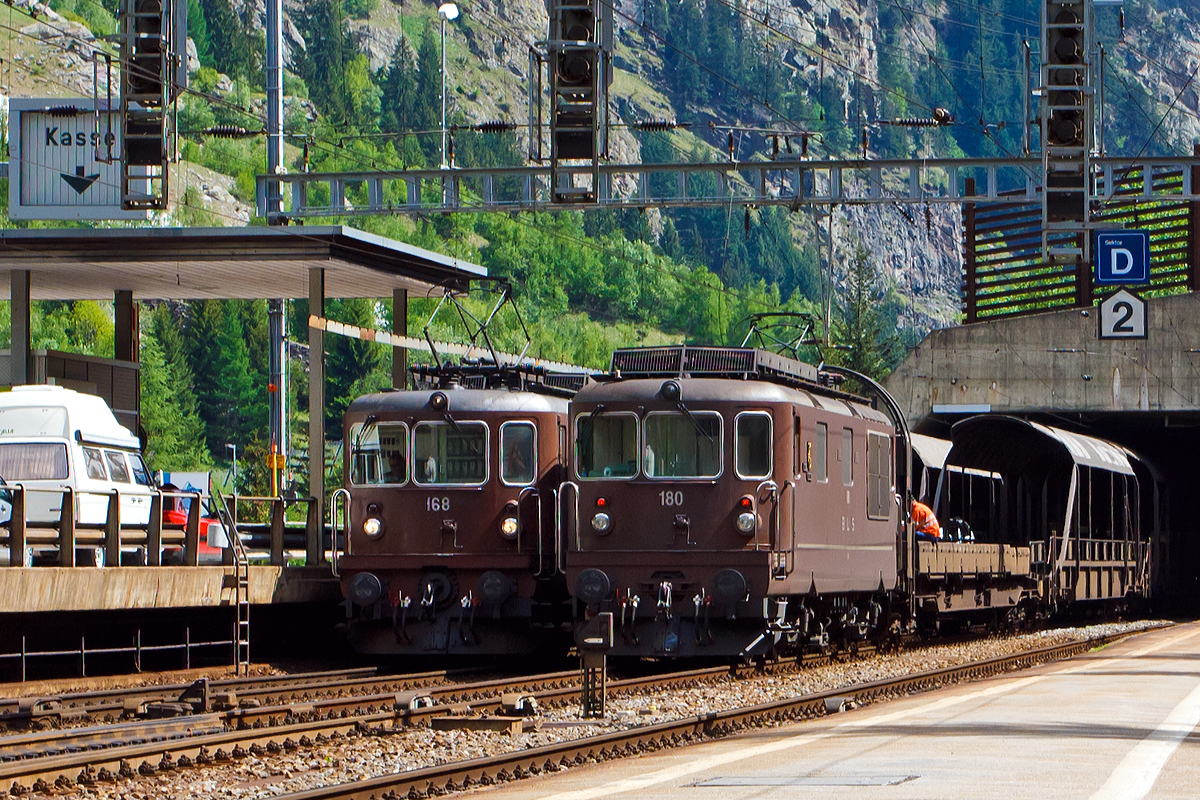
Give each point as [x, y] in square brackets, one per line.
[54, 172]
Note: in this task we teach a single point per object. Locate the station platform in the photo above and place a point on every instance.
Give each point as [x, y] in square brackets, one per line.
[48, 589]
[1116, 724]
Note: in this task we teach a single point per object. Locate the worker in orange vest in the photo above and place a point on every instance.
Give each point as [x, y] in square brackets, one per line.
[925, 523]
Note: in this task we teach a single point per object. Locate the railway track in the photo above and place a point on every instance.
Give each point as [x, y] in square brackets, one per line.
[196, 740]
[114, 704]
[444, 778]
[421, 704]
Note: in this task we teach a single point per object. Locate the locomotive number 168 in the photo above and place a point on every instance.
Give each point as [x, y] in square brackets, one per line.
[437, 504]
[671, 498]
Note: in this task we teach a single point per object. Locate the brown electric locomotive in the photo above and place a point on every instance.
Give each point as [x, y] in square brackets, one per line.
[451, 531]
[728, 502]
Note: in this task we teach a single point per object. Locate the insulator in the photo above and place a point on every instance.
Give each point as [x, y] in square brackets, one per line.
[787, 141]
[651, 125]
[494, 126]
[775, 146]
[915, 122]
[747, 223]
[229, 132]
[731, 145]
[63, 111]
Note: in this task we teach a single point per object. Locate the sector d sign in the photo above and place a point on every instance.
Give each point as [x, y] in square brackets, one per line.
[1122, 257]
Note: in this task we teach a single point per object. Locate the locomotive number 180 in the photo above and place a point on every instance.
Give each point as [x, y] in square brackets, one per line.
[671, 498]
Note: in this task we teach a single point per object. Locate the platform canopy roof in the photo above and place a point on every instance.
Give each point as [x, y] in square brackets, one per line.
[221, 263]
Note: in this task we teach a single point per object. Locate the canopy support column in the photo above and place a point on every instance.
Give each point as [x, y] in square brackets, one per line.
[20, 362]
[316, 415]
[400, 328]
[125, 326]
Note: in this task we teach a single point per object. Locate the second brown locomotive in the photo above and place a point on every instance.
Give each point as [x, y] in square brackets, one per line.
[727, 503]
[451, 541]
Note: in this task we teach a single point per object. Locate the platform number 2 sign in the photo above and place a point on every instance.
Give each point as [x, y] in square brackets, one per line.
[1123, 316]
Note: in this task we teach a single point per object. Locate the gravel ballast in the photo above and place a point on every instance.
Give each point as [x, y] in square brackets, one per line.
[367, 756]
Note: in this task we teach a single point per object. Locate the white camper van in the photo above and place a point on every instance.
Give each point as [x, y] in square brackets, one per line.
[53, 438]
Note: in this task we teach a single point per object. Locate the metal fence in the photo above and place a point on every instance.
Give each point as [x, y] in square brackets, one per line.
[69, 541]
[1003, 271]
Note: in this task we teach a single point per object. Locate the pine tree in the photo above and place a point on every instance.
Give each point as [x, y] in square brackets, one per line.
[233, 49]
[429, 93]
[324, 62]
[352, 367]
[871, 341]
[399, 92]
[232, 407]
[198, 33]
[175, 432]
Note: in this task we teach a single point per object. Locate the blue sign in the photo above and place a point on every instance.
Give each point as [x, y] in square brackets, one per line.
[1122, 257]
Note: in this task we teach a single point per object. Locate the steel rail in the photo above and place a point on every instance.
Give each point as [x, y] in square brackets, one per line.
[550, 689]
[110, 705]
[439, 779]
[182, 749]
[98, 696]
[27, 758]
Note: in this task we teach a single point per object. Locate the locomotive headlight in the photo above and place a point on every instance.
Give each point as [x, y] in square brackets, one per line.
[601, 523]
[373, 527]
[508, 527]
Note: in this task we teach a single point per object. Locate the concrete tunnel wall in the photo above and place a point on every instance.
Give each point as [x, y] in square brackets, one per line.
[1141, 393]
[1057, 361]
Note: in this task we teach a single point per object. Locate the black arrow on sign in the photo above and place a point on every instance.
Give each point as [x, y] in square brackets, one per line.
[79, 182]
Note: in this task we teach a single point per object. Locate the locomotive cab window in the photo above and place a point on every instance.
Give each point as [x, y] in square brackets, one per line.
[450, 455]
[379, 454]
[753, 442]
[682, 446]
[879, 475]
[847, 457]
[606, 445]
[518, 453]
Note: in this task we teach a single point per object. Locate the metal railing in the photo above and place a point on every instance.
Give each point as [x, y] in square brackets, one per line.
[782, 181]
[68, 536]
[136, 649]
[1089, 551]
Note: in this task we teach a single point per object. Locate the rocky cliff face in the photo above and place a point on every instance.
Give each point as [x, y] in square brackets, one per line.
[920, 250]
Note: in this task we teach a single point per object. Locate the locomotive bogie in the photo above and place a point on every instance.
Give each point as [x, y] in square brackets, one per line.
[451, 541]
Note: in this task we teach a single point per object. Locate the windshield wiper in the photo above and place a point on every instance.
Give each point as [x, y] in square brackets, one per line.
[695, 422]
[368, 424]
